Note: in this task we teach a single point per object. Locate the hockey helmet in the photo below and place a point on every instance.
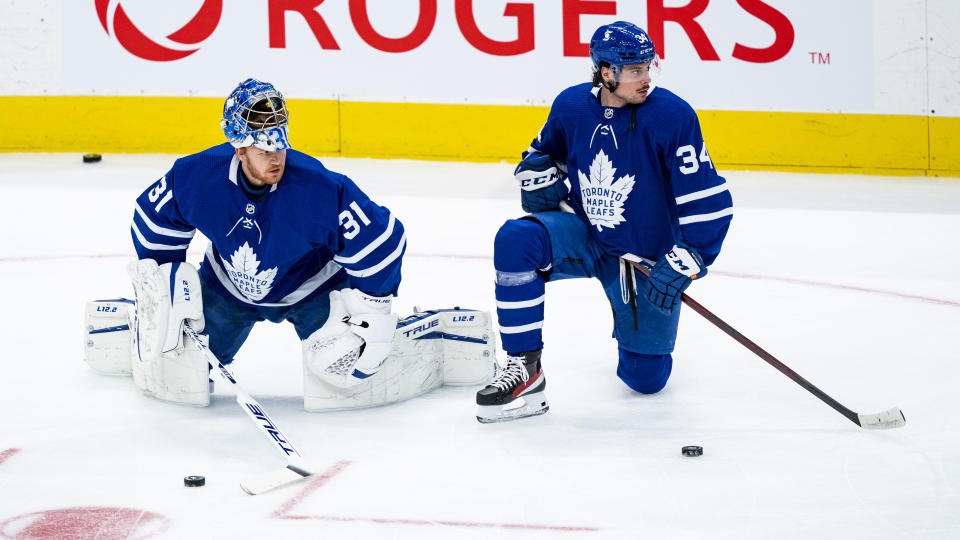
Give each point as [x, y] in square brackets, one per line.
[255, 114]
[621, 43]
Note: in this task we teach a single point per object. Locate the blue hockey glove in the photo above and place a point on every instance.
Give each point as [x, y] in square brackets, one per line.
[672, 275]
[541, 184]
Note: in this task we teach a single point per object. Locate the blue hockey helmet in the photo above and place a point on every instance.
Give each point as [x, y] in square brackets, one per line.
[621, 43]
[255, 114]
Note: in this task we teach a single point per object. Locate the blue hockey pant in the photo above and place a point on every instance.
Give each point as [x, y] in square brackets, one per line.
[551, 246]
[228, 322]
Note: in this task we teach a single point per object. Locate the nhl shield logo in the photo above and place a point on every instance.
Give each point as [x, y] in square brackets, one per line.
[608, 113]
[251, 208]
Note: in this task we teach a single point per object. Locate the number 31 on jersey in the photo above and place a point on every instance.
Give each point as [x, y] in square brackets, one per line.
[349, 223]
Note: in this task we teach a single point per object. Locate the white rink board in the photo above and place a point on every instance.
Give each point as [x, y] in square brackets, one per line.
[446, 68]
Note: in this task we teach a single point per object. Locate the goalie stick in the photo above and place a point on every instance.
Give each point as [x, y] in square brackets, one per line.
[888, 419]
[296, 468]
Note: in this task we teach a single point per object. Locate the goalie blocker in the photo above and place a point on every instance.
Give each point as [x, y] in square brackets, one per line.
[430, 348]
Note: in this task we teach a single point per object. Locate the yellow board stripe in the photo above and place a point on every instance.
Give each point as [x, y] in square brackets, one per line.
[844, 143]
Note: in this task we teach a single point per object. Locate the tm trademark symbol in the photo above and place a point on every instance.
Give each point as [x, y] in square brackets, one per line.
[819, 58]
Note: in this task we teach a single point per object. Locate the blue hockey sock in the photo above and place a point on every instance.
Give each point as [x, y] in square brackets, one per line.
[521, 251]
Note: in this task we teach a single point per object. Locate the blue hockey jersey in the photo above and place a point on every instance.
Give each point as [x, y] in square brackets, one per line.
[313, 229]
[640, 176]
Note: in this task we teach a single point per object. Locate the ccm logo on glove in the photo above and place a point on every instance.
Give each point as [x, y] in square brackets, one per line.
[683, 262]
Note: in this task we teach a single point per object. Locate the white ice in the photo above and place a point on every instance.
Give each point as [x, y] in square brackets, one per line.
[852, 281]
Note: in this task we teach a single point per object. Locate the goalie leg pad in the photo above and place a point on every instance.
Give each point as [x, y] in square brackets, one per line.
[165, 365]
[469, 347]
[181, 376]
[453, 346]
[107, 335]
[403, 376]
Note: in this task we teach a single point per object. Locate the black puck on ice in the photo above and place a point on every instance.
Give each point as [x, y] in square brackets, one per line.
[92, 158]
[692, 451]
[194, 481]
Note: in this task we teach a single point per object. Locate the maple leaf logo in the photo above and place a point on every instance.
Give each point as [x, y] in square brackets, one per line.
[244, 272]
[603, 197]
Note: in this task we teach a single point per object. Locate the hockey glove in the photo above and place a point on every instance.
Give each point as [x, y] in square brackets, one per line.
[355, 340]
[541, 183]
[672, 275]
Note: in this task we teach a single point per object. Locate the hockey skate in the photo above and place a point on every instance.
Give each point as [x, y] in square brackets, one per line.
[517, 391]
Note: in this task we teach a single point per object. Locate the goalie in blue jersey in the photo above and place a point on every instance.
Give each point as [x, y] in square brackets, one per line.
[289, 240]
[627, 161]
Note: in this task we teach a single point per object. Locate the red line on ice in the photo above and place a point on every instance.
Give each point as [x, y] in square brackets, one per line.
[472, 524]
[315, 483]
[927, 299]
[795, 281]
[283, 512]
[7, 453]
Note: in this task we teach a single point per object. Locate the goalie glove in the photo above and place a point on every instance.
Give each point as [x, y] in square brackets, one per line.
[671, 275]
[355, 341]
[542, 185]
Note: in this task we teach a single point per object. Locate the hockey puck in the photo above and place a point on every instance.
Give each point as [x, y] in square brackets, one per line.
[692, 451]
[92, 158]
[194, 481]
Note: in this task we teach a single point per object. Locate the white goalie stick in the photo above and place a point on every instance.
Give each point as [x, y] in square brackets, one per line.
[296, 468]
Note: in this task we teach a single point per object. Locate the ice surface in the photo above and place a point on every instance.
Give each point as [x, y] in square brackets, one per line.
[851, 281]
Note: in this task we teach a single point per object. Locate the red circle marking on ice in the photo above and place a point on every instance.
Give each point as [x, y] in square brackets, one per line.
[107, 523]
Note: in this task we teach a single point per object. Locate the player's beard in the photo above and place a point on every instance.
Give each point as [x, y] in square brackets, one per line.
[263, 172]
[269, 175]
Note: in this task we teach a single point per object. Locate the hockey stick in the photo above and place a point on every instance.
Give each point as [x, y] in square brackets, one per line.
[888, 419]
[296, 468]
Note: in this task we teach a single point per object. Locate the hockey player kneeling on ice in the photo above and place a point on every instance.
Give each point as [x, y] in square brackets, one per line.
[290, 240]
[618, 177]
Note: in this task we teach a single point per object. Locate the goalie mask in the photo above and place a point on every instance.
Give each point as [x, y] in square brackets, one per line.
[255, 114]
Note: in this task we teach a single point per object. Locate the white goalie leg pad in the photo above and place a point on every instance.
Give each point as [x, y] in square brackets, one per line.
[106, 341]
[164, 363]
[469, 347]
[429, 349]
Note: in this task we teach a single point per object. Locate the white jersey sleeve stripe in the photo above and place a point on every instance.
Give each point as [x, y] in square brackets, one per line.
[521, 328]
[521, 304]
[706, 217]
[382, 264]
[703, 194]
[162, 230]
[150, 245]
[369, 247]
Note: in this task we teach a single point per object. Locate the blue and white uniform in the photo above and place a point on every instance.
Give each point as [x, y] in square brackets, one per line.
[641, 182]
[272, 250]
